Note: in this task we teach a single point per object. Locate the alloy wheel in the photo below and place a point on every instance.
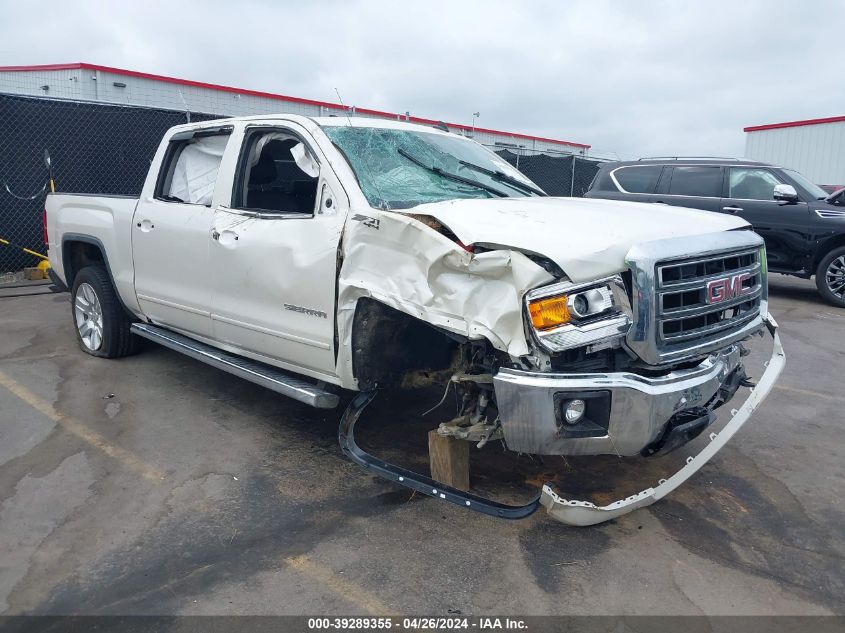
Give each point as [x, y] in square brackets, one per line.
[89, 317]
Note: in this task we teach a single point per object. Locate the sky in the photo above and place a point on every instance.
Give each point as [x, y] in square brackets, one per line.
[634, 78]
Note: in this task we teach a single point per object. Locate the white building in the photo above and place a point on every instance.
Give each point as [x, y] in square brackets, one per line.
[815, 147]
[90, 82]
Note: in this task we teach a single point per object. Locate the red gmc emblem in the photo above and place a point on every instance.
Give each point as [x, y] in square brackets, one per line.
[720, 290]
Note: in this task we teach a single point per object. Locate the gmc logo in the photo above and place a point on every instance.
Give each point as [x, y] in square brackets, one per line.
[720, 290]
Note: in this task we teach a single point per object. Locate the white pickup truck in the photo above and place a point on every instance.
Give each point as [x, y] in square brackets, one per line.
[314, 255]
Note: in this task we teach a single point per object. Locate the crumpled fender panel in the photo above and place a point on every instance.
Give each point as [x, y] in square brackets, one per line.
[401, 262]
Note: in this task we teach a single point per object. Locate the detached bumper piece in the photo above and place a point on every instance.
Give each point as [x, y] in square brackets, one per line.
[569, 511]
[415, 481]
[574, 512]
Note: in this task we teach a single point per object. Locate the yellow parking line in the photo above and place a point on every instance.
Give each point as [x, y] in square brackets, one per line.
[807, 392]
[26, 359]
[81, 431]
[340, 586]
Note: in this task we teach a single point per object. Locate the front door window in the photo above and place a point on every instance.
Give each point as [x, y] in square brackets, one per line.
[750, 183]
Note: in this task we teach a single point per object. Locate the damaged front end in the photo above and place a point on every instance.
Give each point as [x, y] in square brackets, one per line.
[572, 511]
[632, 364]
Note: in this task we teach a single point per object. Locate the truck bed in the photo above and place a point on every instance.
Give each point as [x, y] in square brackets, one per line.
[105, 221]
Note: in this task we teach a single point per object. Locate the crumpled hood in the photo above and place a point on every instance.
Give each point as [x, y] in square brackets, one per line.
[587, 237]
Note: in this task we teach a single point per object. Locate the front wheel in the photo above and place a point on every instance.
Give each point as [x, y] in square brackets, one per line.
[102, 325]
[830, 277]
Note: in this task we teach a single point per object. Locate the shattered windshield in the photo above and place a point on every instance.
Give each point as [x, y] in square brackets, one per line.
[399, 169]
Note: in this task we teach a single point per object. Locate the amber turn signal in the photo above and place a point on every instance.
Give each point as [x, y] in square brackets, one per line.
[550, 312]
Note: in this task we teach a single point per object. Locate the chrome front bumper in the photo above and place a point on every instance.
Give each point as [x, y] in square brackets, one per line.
[640, 407]
[575, 512]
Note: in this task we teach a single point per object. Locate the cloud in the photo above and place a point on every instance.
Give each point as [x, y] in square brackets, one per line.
[635, 78]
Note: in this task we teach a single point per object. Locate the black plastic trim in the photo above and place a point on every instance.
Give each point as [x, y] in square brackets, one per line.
[414, 481]
[87, 239]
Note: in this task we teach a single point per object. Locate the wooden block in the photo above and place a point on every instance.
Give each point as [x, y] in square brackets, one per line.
[449, 459]
[33, 273]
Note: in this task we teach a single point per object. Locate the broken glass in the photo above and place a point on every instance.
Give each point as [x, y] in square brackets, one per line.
[390, 179]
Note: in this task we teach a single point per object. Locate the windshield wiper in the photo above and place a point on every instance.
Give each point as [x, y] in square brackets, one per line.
[169, 198]
[500, 175]
[451, 176]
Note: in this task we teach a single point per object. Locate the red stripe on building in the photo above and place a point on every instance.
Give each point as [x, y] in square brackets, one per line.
[279, 97]
[777, 126]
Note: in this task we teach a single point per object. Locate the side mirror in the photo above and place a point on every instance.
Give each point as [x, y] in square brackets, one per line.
[785, 193]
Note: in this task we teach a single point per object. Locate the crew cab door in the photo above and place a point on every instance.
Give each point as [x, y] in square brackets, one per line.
[784, 226]
[274, 251]
[170, 228]
[694, 186]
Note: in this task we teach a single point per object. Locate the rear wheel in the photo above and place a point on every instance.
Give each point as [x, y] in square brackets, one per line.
[830, 277]
[102, 325]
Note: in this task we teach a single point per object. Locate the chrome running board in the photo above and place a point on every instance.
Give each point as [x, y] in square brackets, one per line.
[253, 371]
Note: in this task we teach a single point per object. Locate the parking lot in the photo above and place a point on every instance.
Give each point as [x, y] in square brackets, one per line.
[157, 485]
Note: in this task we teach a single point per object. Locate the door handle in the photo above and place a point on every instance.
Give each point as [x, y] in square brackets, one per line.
[145, 225]
[732, 209]
[224, 237]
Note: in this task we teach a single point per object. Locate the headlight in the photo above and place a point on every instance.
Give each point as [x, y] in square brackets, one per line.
[569, 315]
[550, 312]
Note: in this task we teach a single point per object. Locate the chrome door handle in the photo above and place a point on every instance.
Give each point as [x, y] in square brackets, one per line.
[225, 237]
[732, 209]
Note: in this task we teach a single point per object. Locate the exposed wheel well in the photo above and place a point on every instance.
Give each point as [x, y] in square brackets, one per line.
[387, 344]
[831, 244]
[76, 255]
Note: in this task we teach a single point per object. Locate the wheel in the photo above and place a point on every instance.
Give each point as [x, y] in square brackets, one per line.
[830, 277]
[102, 325]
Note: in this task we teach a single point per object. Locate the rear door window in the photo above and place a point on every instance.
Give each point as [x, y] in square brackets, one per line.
[637, 179]
[699, 182]
[189, 169]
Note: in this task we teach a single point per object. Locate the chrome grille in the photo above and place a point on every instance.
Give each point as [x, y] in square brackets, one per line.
[673, 319]
[698, 298]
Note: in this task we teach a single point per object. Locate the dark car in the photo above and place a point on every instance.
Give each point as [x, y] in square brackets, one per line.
[803, 225]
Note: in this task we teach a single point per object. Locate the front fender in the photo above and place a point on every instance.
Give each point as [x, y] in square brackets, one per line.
[409, 266]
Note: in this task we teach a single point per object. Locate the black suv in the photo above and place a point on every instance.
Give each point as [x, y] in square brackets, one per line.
[803, 225]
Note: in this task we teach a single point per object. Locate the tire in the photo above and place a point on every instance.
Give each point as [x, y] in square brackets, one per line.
[101, 323]
[830, 277]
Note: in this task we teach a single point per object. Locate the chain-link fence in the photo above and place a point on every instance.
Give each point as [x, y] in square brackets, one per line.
[557, 175]
[107, 149]
[95, 148]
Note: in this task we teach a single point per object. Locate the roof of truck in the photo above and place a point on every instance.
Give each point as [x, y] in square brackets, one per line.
[324, 121]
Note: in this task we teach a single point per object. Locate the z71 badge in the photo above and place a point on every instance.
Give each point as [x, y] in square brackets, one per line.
[366, 220]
